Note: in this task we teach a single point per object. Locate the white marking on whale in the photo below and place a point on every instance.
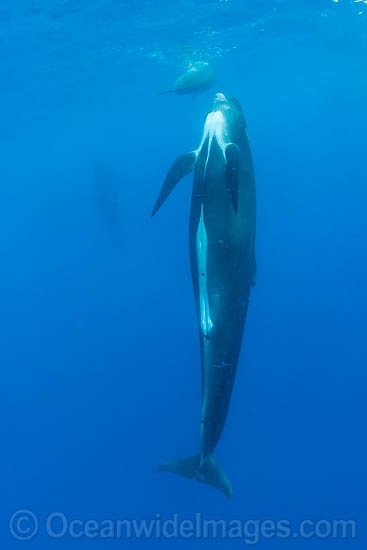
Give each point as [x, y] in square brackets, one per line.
[215, 126]
[202, 254]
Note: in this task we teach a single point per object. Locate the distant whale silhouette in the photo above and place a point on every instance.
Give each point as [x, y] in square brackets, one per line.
[222, 241]
[199, 77]
[106, 199]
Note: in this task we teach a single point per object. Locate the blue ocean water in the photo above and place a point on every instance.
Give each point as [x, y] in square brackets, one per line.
[99, 343]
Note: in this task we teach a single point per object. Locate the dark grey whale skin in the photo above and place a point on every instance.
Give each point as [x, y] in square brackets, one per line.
[224, 202]
[230, 270]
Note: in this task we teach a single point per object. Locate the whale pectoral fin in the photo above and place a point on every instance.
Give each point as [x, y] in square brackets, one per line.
[233, 161]
[166, 92]
[180, 168]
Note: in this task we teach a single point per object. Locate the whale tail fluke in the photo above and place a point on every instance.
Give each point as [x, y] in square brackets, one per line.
[210, 472]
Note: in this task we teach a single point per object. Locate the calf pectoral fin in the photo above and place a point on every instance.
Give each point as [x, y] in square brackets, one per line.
[233, 161]
[182, 166]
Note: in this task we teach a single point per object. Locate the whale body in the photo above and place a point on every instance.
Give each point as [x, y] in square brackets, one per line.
[223, 267]
[199, 77]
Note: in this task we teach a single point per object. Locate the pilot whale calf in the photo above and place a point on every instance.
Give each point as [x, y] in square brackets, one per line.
[222, 257]
[199, 77]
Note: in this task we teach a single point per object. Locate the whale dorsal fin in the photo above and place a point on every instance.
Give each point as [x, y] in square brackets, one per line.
[233, 160]
[182, 166]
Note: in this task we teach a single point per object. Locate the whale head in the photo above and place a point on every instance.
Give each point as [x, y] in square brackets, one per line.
[220, 101]
[224, 103]
[232, 115]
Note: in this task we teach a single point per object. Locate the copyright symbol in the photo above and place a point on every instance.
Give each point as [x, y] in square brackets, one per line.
[23, 525]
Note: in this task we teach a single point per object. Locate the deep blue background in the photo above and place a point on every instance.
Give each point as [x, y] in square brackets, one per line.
[98, 337]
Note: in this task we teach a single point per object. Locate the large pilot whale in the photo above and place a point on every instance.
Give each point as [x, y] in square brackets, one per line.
[222, 240]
